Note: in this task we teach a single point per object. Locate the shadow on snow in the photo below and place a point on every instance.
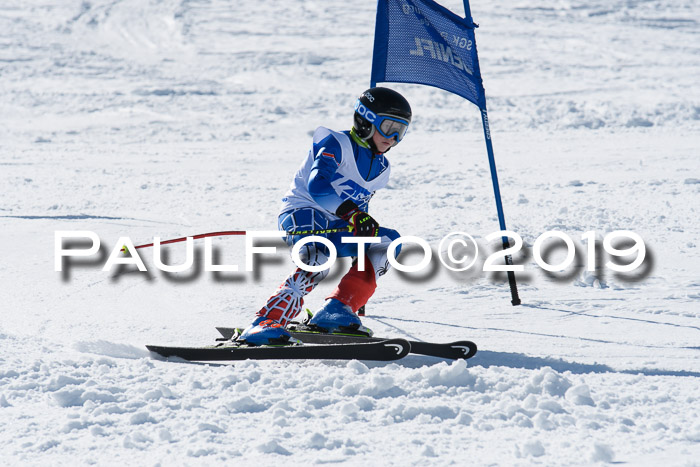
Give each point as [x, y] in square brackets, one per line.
[486, 358]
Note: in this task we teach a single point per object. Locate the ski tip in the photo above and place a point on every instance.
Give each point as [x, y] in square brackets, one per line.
[467, 349]
[157, 352]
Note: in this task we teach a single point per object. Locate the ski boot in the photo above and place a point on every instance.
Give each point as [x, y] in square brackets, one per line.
[266, 331]
[335, 317]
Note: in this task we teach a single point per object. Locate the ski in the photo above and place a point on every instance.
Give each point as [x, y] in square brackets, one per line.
[452, 350]
[382, 350]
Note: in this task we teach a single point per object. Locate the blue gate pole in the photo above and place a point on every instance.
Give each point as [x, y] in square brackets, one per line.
[515, 299]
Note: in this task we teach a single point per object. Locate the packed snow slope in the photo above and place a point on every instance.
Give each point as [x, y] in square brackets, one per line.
[169, 118]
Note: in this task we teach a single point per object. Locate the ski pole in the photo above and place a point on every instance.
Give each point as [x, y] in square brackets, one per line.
[243, 232]
[318, 232]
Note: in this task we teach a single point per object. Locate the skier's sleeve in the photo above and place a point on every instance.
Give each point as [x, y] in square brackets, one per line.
[327, 159]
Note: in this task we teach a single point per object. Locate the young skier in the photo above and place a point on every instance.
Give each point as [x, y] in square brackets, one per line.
[331, 190]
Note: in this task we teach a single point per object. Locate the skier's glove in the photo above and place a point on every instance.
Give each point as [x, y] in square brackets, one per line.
[363, 225]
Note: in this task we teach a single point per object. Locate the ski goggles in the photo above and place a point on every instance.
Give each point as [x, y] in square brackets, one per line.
[390, 127]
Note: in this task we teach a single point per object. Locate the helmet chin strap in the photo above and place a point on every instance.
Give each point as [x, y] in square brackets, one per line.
[370, 142]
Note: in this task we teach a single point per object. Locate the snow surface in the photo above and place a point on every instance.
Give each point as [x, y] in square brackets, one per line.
[170, 118]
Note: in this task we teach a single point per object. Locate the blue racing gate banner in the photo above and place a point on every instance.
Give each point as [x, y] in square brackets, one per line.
[421, 42]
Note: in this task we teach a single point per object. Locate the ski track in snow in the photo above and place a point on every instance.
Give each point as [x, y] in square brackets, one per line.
[171, 118]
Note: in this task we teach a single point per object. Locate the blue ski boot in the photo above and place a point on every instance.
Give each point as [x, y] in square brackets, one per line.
[266, 331]
[335, 317]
